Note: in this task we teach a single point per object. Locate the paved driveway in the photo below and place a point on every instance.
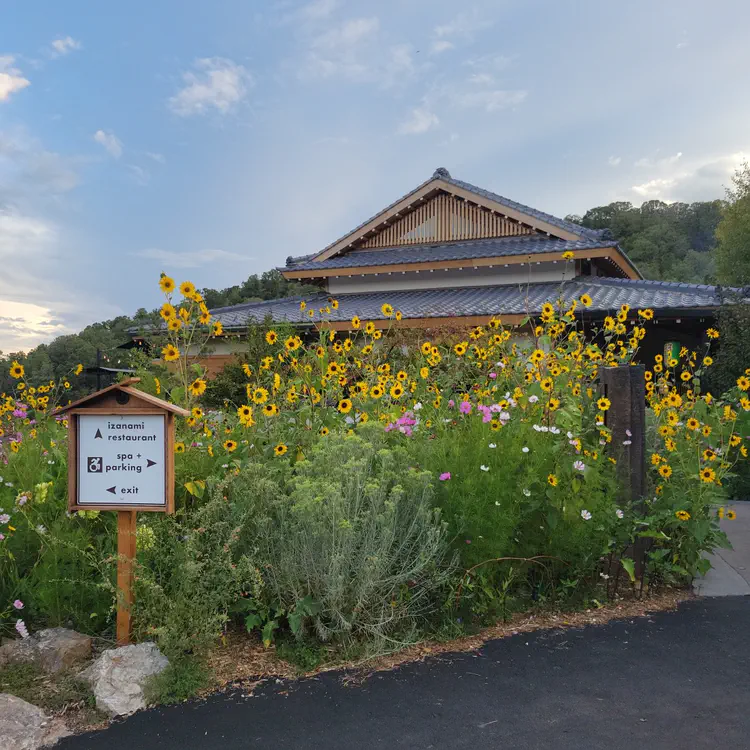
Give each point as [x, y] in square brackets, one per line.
[673, 680]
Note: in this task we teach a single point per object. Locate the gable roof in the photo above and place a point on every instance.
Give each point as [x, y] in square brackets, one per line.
[441, 180]
[125, 386]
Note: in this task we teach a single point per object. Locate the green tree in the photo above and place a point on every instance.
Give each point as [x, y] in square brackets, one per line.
[733, 233]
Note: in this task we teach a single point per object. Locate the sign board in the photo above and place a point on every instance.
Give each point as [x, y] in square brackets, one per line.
[122, 460]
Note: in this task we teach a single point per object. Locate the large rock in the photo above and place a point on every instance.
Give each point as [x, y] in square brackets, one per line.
[60, 648]
[52, 649]
[26, 727]
[118, 677]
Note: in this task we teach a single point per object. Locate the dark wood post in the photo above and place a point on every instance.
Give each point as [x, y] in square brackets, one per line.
[625, 387]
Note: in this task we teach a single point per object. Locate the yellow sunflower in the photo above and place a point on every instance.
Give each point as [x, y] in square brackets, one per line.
[170, 353]
[166, 284]
[280, 449]
[187, 289]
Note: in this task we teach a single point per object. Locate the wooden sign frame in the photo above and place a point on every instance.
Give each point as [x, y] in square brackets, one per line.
[121, 399]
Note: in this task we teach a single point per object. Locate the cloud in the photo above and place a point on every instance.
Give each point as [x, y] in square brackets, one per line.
[338, 51]
[63, 46]
[700, 179]
[158, 158]
[11, 78]
[110, 141]
[317, 10]
[463, 27]
[139, 175]
[420, 121]
[218, 85]
[189, 259]
[491, 101]
[23, 325]
[441, 45]
[614, 161]
[664, 162]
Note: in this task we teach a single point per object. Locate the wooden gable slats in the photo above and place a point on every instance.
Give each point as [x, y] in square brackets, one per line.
[441, 219]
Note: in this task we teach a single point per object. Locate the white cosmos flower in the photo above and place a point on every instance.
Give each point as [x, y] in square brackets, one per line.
[493, 445]
[533, 399]
[418, 406]
[619, 513]
[484, 468]
[527, 493]
[585, 515]
[579, 465]
[525, 449]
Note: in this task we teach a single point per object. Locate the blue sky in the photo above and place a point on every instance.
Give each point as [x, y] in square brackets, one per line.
[212, 140]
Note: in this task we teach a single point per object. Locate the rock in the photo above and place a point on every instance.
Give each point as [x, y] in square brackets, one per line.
[18, 651]
[26, 727]
[52, 649]
[59, 648]
[118, 677]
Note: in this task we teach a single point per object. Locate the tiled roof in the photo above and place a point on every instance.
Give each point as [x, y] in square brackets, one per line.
[437, 251]
[528, 210]
[607, 295]
[443, 174]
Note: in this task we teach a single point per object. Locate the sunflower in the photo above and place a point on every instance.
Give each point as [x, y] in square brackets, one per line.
[712, 333]
[197, 412]
[460, 348]
[386, 309]
[397, 390]
[16, 370]
[344, 405]
[546, 384]
[356, 323]
[218, 329]
[179, 447]
[369, 327]
[323, 431]
[166, 284]
[665, 470]
[707, 474]
[187, 289]
[167, 311]
[682, 515]
[270, 410]
[244, 412]
[730, 515]
[743, 383]
[259, 395]
[280, 449]
[552, 480]
[692, 423]
[735, 440]
[174, 324]
[708, 455]
[271, 337]
[376, 391]
[647, 314]
[424, 373]
[585, 300]
[603, 404]
[170, 353]
[426, 348]
[706, 431]
[197, 387]
[190, 421]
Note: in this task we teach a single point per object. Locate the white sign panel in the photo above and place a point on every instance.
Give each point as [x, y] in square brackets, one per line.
[121, 459]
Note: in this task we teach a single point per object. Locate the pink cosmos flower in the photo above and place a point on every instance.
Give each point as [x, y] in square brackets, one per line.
[493, 375]
[445, 476]
[21, 628]
[18, 604]
[465, 407]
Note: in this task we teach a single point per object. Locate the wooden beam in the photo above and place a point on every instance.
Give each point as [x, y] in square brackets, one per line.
[611, 253]
[452, 321]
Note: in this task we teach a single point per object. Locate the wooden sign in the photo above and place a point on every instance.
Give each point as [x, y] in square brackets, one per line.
[121, 458]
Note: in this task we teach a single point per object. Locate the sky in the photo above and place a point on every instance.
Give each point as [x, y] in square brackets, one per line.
[212, 140]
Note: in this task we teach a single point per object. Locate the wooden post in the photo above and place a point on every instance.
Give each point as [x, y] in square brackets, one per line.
[625, 387]
[125, 564]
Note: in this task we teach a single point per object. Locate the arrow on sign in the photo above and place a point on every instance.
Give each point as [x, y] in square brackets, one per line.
[150, 463]
[113, 490]
[98, 435]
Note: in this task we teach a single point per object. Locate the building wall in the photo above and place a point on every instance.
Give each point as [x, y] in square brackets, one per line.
[452, 278]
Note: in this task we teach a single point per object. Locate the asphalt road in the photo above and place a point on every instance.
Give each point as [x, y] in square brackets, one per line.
[673, 680]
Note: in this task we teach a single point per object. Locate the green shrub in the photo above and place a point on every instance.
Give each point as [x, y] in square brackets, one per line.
[354, 548]
[183, 678]
[188, 577]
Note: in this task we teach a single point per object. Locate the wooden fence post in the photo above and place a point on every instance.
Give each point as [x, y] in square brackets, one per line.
[625, 387]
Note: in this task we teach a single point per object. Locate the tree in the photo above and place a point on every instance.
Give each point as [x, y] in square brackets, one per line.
[733, 233]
